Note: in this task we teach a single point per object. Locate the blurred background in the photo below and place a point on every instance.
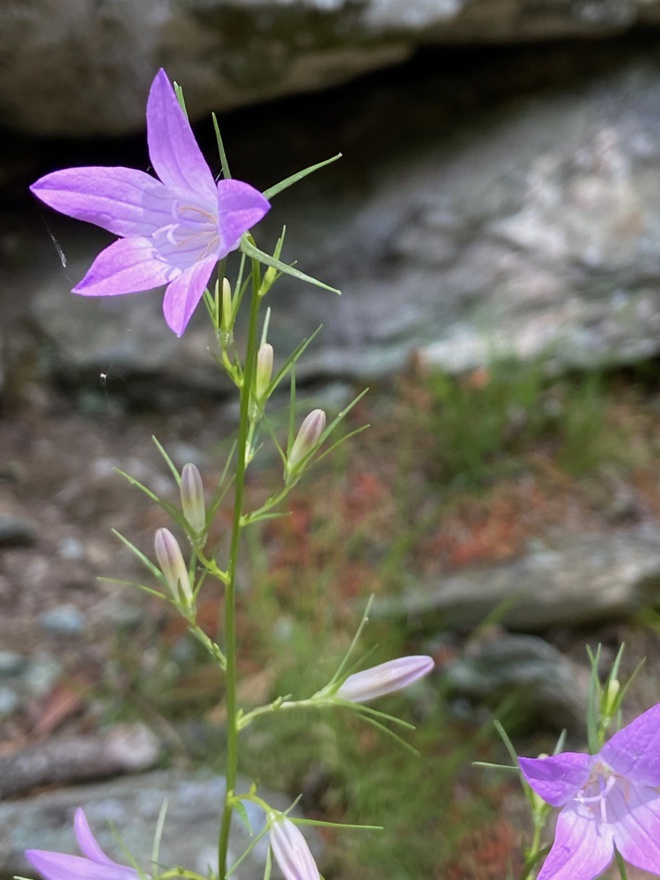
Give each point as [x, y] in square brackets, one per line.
[494, 225]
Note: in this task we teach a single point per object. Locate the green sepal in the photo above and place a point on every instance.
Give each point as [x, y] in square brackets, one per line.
[221, 148]
[252, 251]
[289, 181]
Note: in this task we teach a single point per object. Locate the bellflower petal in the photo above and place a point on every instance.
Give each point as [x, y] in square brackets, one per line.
[127, 266]
[173, 229]
[291, 851]
[95, 866]
[173, 150]
[384, 678]
[581, 850]
[609, 800]
[241, 207]
[557, 777]
[184, 293]
[88, 845]
[636, 810]
[634, 752]
[122, 200]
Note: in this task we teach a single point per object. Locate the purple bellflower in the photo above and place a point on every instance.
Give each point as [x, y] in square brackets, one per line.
[92, 865]
[384, 678]
[172, 230]
[607, 800]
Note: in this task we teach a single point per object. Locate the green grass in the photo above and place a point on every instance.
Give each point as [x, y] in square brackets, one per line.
[483, 424]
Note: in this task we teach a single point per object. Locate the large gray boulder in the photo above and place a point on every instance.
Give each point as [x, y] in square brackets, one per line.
[532, 229]
[83, 67]
[584, 580]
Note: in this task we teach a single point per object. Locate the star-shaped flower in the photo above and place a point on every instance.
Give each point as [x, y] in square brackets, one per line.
[94, 866]
[173, 230]
[607, 800]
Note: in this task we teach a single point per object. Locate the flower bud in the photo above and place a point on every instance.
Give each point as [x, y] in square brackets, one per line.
[264, 370]
[308, 436]
[226, 323]
[170, 559]
[291, 851]
[610, 700]
[192, 498]
[384, 678]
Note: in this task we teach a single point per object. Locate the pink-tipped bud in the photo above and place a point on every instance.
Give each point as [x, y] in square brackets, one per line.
[264, 370]
[291, 851]
[308, 436]
[384, 678]
[170, 559]
[192, 498]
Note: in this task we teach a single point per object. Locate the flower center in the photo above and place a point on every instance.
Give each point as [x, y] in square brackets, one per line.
[598, 787]
[193, 234]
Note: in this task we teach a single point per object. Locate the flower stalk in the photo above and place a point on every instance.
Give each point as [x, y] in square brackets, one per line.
[242, 452]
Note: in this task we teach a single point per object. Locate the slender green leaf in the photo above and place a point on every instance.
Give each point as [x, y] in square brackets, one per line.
[221, 148]
[168, 460]
[255, 253]
[289, 181]
[140, 555]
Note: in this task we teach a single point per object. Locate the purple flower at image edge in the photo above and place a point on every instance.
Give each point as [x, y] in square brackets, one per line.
[92, 865]
[172, 230]
[607, 800]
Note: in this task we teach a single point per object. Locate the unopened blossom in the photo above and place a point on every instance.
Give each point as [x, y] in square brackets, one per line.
[92, 865]
[264, 370]
[384, 678]
[607, 800]
[291, 851]
[172, 564]
[192, 498]
[306, 439]
[172, 230]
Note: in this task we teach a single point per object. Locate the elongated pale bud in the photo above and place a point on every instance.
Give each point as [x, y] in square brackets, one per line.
[170, 559]
[192, 498]
[308, 436]
[384, 678]
[226, 335]
[610, 702]
[291, 851]
[264, 370]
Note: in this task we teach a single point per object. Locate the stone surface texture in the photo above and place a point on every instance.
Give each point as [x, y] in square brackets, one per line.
[83, 67]
[538, 685]
[586, 579]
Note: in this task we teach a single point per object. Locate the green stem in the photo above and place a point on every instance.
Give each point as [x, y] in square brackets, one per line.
[620, 865]
[230, 588]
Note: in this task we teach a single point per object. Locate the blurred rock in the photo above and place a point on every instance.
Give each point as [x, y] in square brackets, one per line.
[16, 532]
[123, 748]
[528, 676]
[588, 579]
[128, 809]
[63, 620]
[531, 230]
[82, 68]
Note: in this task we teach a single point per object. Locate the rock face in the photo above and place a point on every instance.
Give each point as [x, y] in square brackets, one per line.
[529, 229]
[529, 676]
[586, 580]
[83, 67]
